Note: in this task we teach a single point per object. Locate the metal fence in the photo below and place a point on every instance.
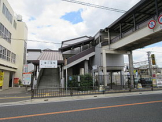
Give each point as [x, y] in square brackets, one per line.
[75, 91]
[96, 85]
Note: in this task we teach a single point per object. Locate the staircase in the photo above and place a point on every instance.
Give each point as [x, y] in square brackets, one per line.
[50, 78]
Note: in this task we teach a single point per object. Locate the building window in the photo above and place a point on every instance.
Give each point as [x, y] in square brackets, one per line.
[7, 55]
[15, 24]
[1, 51]
[13, 58]
[4, 33]
[7, 14]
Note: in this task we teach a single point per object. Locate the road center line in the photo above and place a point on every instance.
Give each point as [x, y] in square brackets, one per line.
[78, 110]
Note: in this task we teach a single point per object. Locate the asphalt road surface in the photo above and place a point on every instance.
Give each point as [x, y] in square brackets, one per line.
[141, 108]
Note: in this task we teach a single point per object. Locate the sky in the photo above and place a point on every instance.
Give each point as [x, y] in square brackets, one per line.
[57, 20]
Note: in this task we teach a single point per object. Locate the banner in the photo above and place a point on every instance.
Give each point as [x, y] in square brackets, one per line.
[1, 78]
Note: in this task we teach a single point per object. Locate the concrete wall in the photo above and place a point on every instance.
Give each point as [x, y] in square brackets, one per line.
[115, 59]
[6, 80]
[97, 59]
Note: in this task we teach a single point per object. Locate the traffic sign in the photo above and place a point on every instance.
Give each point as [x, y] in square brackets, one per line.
[152, 24]
[160, 19]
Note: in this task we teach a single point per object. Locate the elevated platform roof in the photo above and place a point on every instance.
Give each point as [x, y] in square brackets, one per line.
[142, 11]
[76, 42]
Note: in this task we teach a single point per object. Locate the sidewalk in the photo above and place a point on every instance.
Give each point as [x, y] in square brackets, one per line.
[13, 90]
[14, 94]
[74, 98]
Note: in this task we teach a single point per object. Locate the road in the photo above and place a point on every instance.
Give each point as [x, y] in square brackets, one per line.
[141, 108]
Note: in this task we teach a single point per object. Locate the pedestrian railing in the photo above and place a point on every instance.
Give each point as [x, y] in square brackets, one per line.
[76, 91]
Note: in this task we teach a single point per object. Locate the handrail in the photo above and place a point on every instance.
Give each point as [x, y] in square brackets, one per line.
[39, 77]
[130, 31]
[80, 55]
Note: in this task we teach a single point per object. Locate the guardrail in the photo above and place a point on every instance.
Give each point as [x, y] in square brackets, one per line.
[80, 55]
[76, 91]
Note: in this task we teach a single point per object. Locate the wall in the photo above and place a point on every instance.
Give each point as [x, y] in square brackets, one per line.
[97, 60]
[114, 59]
[6, 80]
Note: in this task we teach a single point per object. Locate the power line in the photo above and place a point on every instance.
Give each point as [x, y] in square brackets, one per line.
[140, 50]
[95, 6]
[32, 40]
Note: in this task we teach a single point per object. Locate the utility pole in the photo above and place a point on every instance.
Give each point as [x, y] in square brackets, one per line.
[149, 62]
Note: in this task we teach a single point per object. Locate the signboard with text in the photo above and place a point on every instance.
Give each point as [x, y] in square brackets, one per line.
[26, 78]
[48, 63]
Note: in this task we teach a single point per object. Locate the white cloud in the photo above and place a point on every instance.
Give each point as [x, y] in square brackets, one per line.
[49, 12]
[140, 55]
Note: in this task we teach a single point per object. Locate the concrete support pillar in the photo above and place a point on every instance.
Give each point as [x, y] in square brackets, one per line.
[131, 69]
[111, 74]
[86, 67]
[66, 80]
[62, 78]
[104, 67]
[121, 78]
[60, 73]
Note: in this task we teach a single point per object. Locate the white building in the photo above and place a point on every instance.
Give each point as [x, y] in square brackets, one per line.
[13, 36]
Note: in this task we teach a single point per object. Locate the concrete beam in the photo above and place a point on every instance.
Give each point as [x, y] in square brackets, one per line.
[115, 52]
[136, 36]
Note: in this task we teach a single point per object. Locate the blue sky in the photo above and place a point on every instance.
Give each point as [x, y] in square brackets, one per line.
[73, 17]
[159, 44]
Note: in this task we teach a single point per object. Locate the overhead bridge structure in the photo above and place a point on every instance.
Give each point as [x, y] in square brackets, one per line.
[103, 54]
[138, 27]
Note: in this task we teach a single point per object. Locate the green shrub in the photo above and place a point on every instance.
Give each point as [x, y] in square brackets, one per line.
[73, 82]
[85, 81]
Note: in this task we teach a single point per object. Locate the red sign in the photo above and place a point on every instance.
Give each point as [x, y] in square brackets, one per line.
[152, 24]
[160, 19]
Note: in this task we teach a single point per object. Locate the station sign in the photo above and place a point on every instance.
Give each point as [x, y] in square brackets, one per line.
[152, 24]
[160, 19]
[48, 63]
